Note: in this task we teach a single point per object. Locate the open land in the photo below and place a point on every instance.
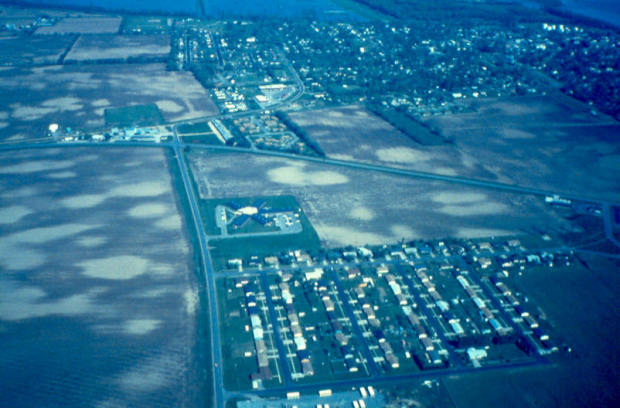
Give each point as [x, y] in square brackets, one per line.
[33, 50]
[522, 140]
[550, 142]
[353, 133]
[103, 47]
[133, 115]
[83, 25]
[590, 326]
[77, 96]
[348, 206]
[97, 287]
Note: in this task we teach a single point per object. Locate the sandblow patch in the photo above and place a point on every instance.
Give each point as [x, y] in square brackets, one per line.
[62, 175]
[36, 166]
[350, 236]
[83, 201]
[141, 326]
[486, 208]
[14, 213]
[481, 232]
[65, 103]
[362, 213]
[144, 189]
[172, 222]
[122, 267]
[191, 301]
[100, 103]
[150, 374]
[30, 113]
[403, 231]
[451, 197]
[296, 176]
[148, 210]
[26, 302]
[401, 155]
[169, 106]
[90, 242]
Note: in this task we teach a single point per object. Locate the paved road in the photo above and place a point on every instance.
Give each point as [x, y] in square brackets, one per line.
[216, 356]
[273, 316]
[357, 382]
[374, 370]
[513, 188]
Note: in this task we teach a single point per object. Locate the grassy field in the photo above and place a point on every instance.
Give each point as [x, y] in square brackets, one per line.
[202, 138]
[133, 115]
[198, 133]
[261, 246]
[191, 128]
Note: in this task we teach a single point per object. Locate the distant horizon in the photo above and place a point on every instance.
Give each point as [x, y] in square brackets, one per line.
[607, 11]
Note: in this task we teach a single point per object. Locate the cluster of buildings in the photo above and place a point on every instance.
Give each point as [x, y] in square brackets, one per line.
[148, 134]
[258, 328]
[266, 131]
[401, 308]
[426, 69]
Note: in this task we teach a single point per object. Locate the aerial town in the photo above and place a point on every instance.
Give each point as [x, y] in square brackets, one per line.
[347, 203]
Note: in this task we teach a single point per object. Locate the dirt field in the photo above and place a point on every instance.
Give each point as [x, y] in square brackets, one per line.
[548, 142]
[33, 49]
[353, 133]
[98, 297]
[356, 207]
[118, 47]
[77, 96]
[83, 25]
[551, 143]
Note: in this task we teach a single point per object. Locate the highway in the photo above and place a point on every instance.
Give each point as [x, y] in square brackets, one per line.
[512, 188]
[216, 355]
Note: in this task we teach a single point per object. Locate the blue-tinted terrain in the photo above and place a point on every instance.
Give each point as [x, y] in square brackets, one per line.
[142, 6]
[321, 9]
[604, 10]
[98, 301]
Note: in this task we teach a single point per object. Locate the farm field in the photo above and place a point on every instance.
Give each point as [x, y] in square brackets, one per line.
[83, 25]
[551, 142]
[353, 133]
[33, 50]
[133, 115]
[348, 206]
[98, 293]
[77, 96]
[199, 133]
[101, 47]
[529, 141]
